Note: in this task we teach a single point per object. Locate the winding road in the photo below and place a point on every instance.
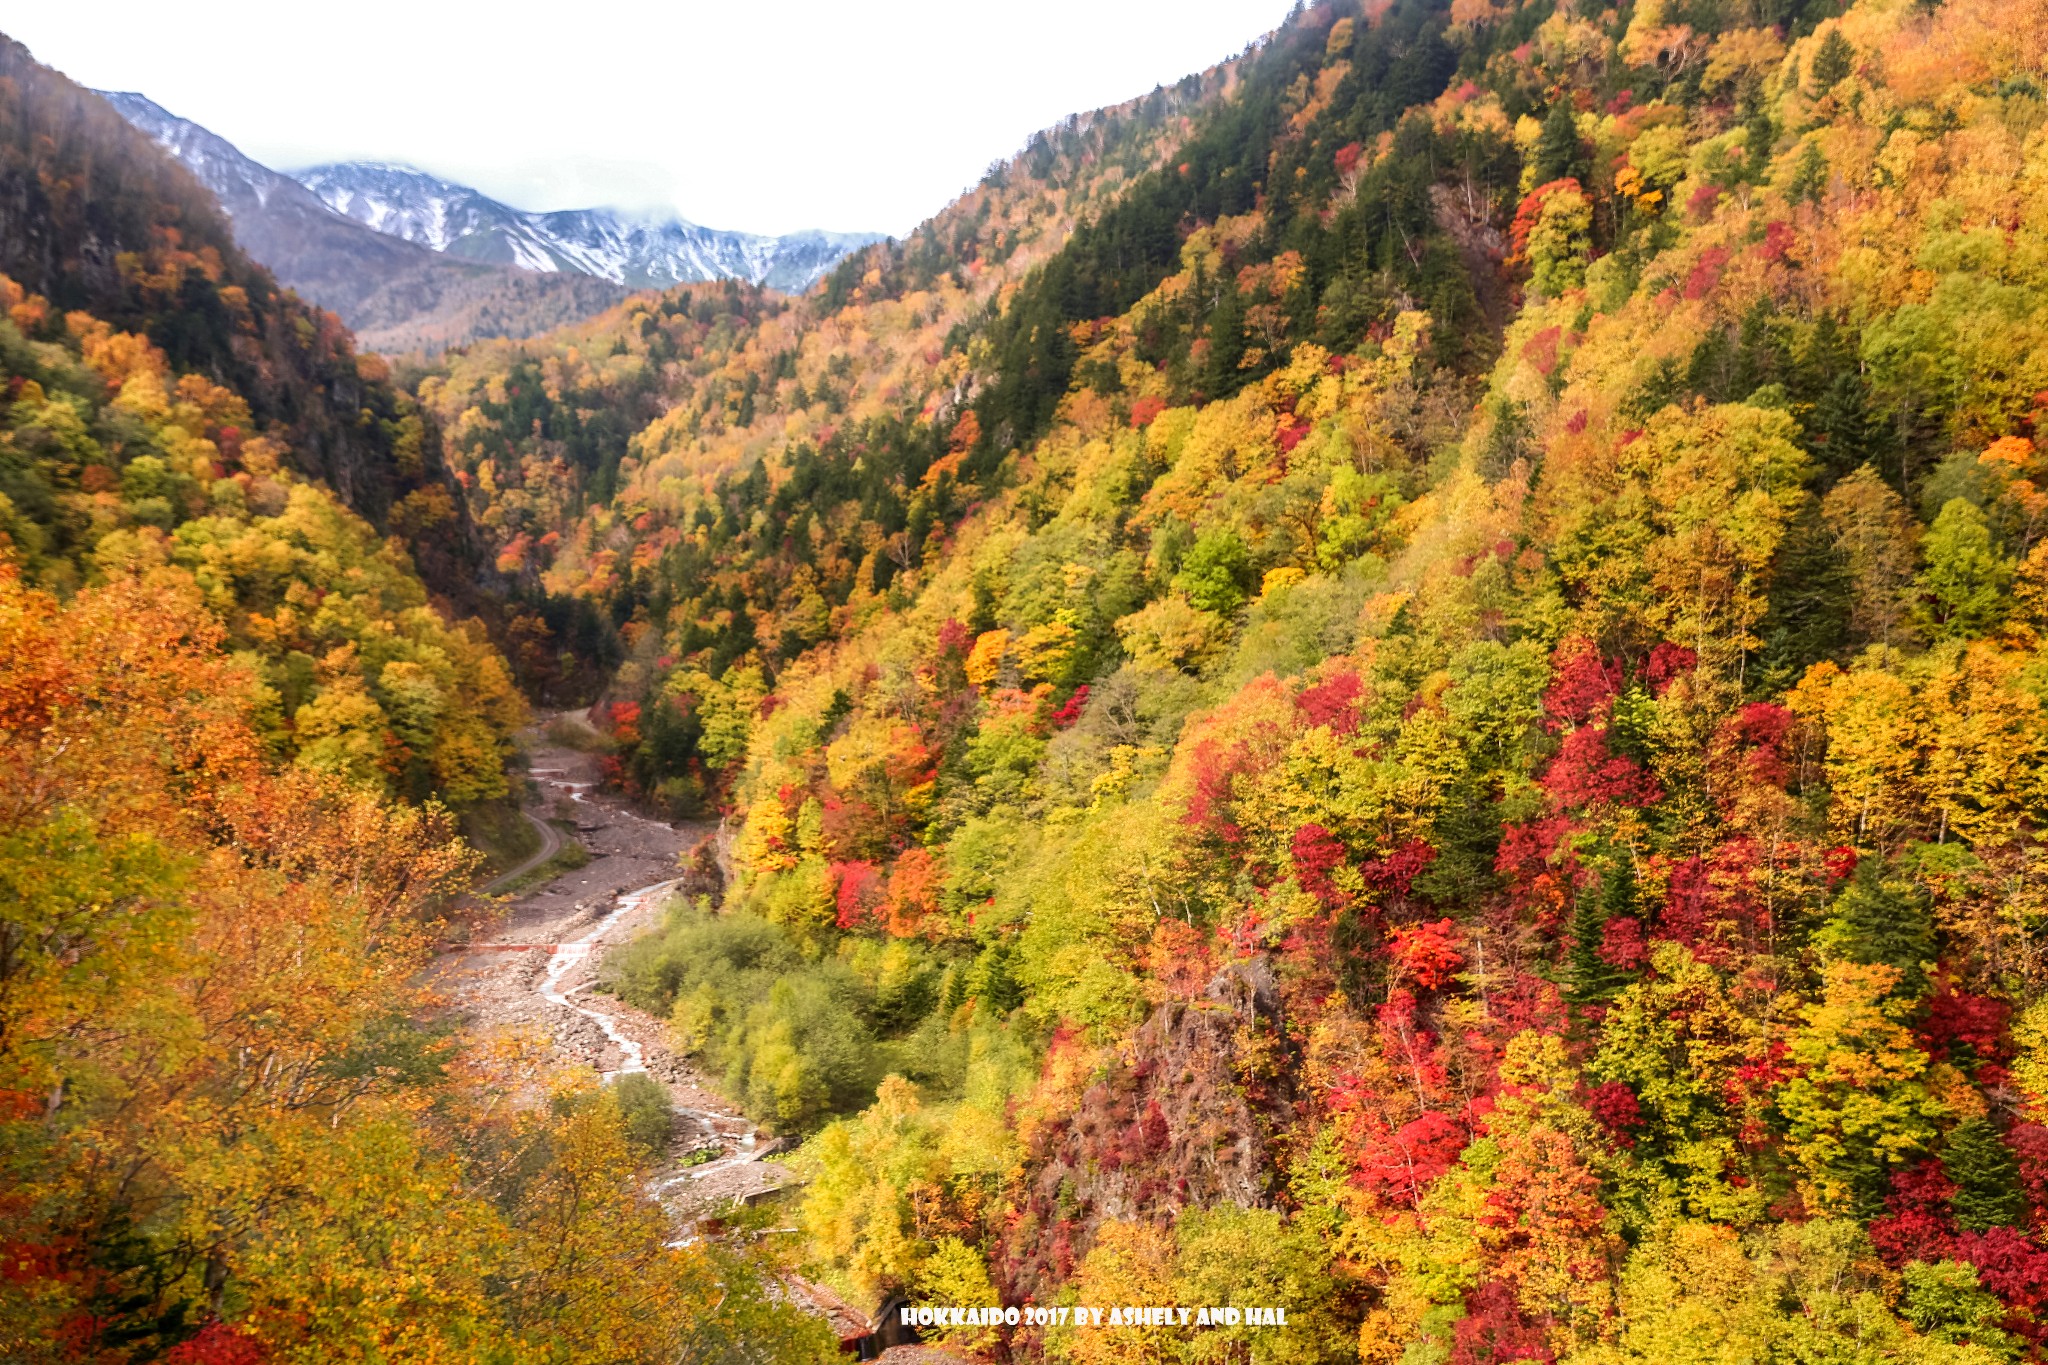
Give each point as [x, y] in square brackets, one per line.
[550, 845]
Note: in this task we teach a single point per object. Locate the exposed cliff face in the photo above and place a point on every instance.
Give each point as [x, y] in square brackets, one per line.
[1180, 1122]
[93, 216]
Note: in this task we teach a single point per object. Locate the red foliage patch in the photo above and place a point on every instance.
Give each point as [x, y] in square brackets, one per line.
[1581, 686]
[860, 892]
[1317, 854]
[1332, 702]
[1840, 862]
[1621, 943]
[1615, 1105]
[1541, 350]
[1712, 904]
[1706, 272]
[1396, 872]
[1400, 1165]
[955, 640]
[1779, 239]
[1146, 410]
[1428, 953]
[2029, 1142]
[1586, 773]
[217, 1344]
[1764, 723]
[1956, 1019]
[1347, 157]
[1666, 662]
[1071, 710]
[1213, 769]
[1526, 849]
[2009, 1264]
[1494, 1330]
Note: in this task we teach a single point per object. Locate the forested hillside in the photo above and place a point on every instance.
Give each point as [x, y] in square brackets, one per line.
[1436, 717]
[231, 1129]
[236, 726]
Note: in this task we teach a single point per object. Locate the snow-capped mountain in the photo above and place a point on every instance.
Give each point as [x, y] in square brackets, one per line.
[395, 294]
[640, 252]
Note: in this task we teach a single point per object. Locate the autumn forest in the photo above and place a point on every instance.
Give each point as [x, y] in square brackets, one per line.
[1406, 680]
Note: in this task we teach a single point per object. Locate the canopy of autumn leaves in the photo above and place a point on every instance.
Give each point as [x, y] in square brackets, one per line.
[230, 1126]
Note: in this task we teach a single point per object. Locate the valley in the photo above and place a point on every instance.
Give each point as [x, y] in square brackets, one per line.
[532, 970]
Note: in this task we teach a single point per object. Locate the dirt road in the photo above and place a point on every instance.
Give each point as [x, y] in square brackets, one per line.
[550, 845]
[533, 970]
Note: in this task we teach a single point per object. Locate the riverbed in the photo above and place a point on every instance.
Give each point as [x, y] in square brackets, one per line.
[531, 971]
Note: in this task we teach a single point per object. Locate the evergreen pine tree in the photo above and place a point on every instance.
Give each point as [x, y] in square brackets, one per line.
[1882, 921]
[1221, 376]
[1843, 431]
[1559, 152]
[1593, 977]
[1986, 1176]
[1810, 177]
[1812, 595]
[1758, 134]
[1835, 60]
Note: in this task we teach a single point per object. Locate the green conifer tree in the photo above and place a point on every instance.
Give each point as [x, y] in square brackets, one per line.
[1559, 152]
[1878, 920]
[1758, 135]
[1986, 1176]
[1810, 178]
[1593, 978]
[1835, 60]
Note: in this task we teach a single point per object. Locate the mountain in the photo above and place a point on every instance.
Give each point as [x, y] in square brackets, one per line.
[1403, 683]
[652, 252]
[397, 296]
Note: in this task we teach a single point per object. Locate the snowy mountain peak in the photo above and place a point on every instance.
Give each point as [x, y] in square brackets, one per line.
[638, 250]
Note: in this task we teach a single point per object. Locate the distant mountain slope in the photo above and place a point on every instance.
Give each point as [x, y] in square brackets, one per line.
[396, 296]
[639, 252]
[96, 220]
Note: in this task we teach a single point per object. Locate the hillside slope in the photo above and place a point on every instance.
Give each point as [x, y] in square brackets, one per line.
[93, 217]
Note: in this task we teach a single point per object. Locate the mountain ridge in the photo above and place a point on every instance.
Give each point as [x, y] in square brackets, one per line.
[395, 295]
[638, 250]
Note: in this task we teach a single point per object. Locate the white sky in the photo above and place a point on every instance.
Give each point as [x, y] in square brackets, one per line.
[769, 118]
